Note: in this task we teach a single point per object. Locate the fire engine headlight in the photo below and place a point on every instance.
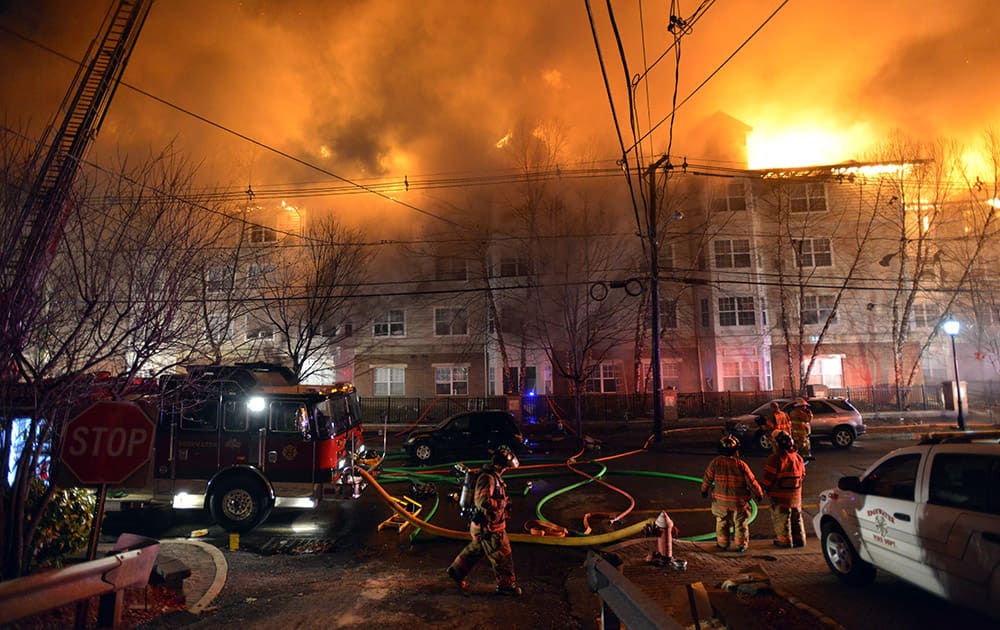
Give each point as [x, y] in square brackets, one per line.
[341, 463]
[361, 449]
[256, 404]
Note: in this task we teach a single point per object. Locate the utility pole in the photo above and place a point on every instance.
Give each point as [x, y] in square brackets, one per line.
[654, 296]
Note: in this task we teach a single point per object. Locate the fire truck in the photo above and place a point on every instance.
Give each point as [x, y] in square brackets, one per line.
[243, 439]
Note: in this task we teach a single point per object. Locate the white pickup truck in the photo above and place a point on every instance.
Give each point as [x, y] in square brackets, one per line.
[928, 514]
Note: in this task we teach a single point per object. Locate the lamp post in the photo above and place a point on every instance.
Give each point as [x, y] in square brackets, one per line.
[951, 327]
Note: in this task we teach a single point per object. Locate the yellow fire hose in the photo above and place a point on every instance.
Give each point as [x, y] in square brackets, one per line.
[575, 541]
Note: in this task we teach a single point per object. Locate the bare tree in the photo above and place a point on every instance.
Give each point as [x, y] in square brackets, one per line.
[114, 299]
[310, 293]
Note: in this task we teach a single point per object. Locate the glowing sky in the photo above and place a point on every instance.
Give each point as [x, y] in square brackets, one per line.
[387, 88]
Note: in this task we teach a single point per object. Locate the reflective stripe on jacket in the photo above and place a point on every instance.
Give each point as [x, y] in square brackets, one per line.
[782, 478]
[734, 482]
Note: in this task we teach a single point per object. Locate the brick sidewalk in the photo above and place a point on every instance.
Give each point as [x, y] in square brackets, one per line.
[786, 568]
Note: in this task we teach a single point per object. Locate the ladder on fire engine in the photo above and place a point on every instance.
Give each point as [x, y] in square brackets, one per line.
[57, 158]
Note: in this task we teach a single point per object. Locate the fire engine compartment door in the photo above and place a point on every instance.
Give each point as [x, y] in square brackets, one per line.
[287, 455]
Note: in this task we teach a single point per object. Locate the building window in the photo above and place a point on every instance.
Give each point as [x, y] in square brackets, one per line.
[925, 315]
[813, 252]
[262, 234]
[807, 197]
[731, 254]
[512, 385]
[666, 254]
[390, 324]
[706, 313]
[827, 370]
[390, 381]
[513, 266]
[219, 327]
[740, 376]
[450, 269]
[817, 309]
[256, 275]
[668, 314]
[258, 328]
[450, 321]
[219, 279]
[606, 379]
[730, 197]
[736, 311]
[670, 374]
[451, 380]
[332, 329]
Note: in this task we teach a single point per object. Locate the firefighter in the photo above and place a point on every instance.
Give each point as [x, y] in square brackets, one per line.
[488, 527]
[782, 480]
[801, 419]
[776, 421]
[734, 485]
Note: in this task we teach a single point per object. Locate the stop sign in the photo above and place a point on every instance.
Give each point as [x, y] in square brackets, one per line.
[107, 443]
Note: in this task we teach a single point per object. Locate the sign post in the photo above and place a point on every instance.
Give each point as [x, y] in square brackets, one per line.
[106, 444]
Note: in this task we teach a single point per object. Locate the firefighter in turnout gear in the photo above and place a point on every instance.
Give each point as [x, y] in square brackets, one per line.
[733, 485]
[782, 480]
[488, 527]
[776, 422]
[801, 418]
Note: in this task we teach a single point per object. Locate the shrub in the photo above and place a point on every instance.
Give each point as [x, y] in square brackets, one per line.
[65, 525]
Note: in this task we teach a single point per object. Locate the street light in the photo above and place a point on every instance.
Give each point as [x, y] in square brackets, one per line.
[951, 327]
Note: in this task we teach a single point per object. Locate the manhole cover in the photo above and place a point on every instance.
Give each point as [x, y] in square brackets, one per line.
[297, 546]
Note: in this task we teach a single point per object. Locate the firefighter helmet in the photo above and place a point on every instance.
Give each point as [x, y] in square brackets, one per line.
[729, 444]
[503, 457]
[783, 440]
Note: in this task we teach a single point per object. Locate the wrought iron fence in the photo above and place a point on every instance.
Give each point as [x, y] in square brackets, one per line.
[625, 408]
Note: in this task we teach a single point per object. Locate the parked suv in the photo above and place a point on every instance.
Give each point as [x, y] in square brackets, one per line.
[929, 514]
[834, 419]
[470, 434]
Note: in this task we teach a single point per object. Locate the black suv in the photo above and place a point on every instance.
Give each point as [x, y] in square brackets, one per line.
[470, 434]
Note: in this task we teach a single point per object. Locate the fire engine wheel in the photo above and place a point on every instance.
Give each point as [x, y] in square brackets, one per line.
[423, 452]
[239, 504]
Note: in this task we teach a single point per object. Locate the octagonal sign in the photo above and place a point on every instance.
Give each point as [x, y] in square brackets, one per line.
[107, 443]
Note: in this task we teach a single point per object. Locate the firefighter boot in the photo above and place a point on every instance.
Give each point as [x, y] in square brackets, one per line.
[458, 579]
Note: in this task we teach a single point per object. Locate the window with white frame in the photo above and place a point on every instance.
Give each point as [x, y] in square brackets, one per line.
[813, 252]
[451, 380]
[256, 274]
[740, 376]
[925, 315]
[390, 381]
[807, 197]
[729, 197]
[219, 278]
[935, 368]
[705, 312]
[450, 269]
[258, 327]
[668, 314]
[450, 322]
[605, 379]
[547, 380]
[262, 234]
[666, 254]
[331, 328]
[736, 311]
[391, 323]
[826, 370]
[513, 266]
[670, 374]
[731, 254]
[817, 309]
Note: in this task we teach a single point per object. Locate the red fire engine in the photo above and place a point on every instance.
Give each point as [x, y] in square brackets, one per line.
[241, 440]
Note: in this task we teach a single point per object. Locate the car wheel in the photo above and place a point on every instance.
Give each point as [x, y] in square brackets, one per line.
[763, 441]
[423, 452]
[842, 437]
[842, 559]
[239, 504]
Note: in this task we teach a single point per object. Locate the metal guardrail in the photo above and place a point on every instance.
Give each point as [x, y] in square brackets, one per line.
[129, 566]
[628, 605]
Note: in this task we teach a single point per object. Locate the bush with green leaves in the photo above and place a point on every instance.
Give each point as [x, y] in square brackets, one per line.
[65, 525]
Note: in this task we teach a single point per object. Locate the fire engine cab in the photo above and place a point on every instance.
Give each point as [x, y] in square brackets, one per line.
[241, 440]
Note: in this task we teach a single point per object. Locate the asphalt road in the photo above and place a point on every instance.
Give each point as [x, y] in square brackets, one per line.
[334, 567]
